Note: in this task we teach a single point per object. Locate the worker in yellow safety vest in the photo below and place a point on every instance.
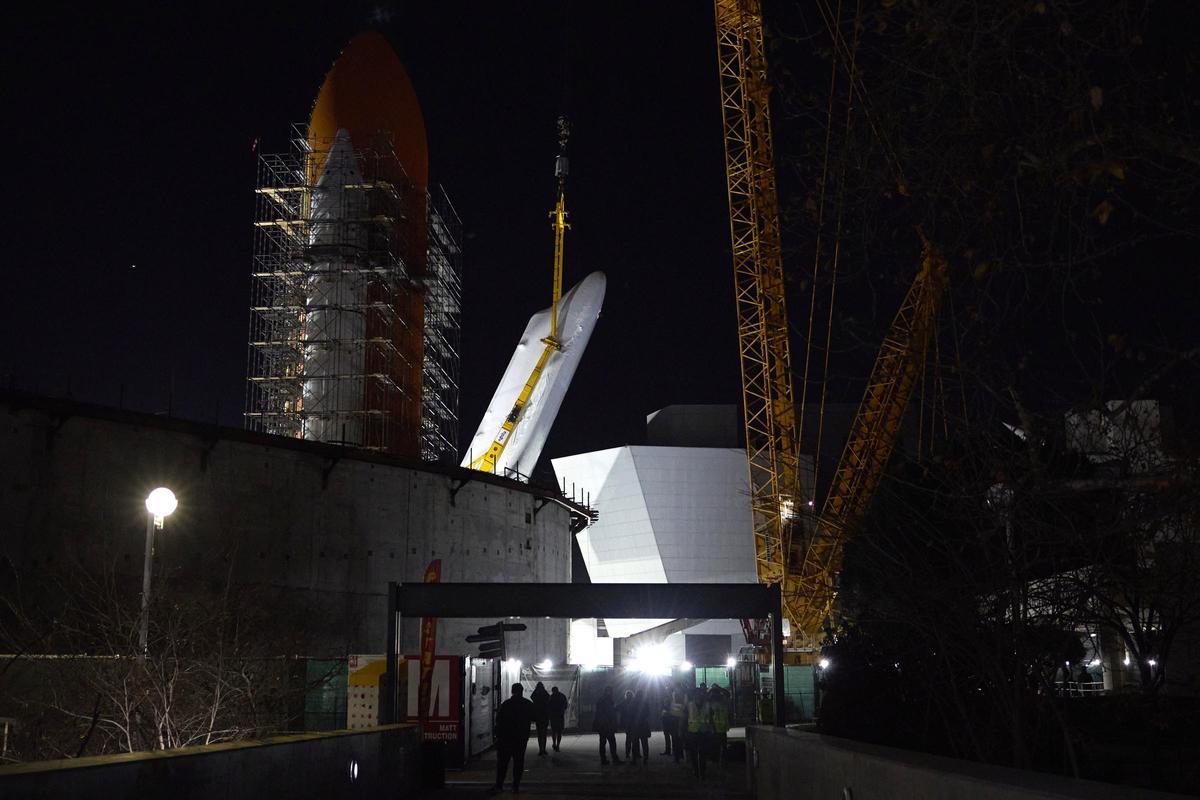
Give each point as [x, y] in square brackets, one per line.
[676, 710]
[718, 704]
[699, 731]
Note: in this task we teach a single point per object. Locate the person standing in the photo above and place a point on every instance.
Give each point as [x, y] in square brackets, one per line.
[605, 724]
[558, 716]
[718, 703]
[541, 714]
[699, 727]
[625, 713]
[640, 729]
[512, 729]
[672, 713]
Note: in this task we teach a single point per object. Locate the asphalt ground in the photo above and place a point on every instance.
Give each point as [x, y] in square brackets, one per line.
[575, 772]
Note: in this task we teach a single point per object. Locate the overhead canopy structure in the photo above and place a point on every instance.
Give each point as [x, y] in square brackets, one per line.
[497, 600]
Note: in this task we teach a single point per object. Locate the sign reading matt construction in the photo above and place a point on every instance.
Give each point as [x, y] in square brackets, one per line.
[444, 723]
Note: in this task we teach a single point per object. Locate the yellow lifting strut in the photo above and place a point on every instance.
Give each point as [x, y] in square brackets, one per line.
[558, 221]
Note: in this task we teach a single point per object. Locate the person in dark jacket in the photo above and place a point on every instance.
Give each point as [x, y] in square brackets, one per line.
[558, 716]
[605, 724]
[640, 727]
[512, 735]
[541, 714]
[626, 711]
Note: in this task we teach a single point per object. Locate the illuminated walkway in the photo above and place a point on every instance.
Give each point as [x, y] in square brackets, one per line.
[576, 773]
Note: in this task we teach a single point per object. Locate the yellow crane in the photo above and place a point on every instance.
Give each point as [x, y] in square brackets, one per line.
[806, 569]
[810, 586]
[772, 449]
[558, 221]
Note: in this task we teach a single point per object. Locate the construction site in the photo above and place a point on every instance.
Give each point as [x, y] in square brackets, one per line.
[366, 562]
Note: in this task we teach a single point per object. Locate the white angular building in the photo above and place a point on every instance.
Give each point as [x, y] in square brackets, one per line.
[675, 510]
[667, 514]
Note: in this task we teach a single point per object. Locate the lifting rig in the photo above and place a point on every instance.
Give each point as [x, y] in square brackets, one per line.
[806, 565]
[558, 221]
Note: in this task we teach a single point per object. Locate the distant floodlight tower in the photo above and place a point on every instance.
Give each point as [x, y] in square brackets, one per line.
[357, 290]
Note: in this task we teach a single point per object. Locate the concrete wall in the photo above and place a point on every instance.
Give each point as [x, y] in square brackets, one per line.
[378, 762]
[797, 765]
[329, 525]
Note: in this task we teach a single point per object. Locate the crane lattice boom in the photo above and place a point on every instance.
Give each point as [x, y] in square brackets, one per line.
[810, 587]
[770, 415]
[772, 446]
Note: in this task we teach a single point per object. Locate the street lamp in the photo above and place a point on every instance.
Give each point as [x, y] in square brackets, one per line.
[159, 504]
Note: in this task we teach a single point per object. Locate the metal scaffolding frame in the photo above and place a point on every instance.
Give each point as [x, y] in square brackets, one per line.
[443, 316]
[332, 297]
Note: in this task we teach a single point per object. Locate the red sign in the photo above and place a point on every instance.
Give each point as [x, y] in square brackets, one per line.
[433, 574]
[442, 724]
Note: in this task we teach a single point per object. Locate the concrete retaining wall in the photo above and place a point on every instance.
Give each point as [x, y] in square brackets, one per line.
[798, 765]
[329, 526]
[377, 762]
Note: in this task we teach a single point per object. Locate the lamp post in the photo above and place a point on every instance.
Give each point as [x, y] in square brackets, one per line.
[159, 504]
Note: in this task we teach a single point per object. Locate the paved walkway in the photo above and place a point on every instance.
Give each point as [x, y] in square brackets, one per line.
[575, 772]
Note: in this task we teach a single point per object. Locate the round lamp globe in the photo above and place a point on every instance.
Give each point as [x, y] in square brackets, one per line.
[161, 502]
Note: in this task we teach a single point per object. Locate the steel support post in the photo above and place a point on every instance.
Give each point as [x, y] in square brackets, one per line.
[147, 566]
[777, 656]
[389, 695]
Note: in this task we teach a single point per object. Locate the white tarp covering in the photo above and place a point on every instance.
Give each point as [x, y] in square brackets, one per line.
[578, 310]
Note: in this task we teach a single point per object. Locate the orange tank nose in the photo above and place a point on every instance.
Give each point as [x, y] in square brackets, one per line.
[367, 92]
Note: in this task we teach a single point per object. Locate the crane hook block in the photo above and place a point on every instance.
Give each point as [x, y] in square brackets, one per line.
[561, 166]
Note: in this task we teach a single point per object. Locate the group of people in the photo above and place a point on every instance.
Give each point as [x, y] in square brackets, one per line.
[543, 710]
[695, 721]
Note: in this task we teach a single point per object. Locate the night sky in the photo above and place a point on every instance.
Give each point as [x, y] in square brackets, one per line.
[132, 174]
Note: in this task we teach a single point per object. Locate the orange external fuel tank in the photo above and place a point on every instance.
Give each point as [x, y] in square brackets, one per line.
[367, 94]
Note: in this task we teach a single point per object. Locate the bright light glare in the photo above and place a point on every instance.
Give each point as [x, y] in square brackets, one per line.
[1152, 663]
[685, 666]
[731, 662]
[651, 659]
[823, 663]
[1095, 662]
[787, 508]
[546, 664]
[161, 502]
[514, 663]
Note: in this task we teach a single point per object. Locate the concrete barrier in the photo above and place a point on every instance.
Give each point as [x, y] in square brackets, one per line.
[377, 762]
[799, 765]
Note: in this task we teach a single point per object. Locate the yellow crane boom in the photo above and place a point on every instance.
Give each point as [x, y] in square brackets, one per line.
[558, 221]
[772, 449]
[772, 446]
[810, 587]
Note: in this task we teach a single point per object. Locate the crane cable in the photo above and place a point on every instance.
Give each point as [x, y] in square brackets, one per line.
[852, 72]
[860, 89]
[812, 304]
